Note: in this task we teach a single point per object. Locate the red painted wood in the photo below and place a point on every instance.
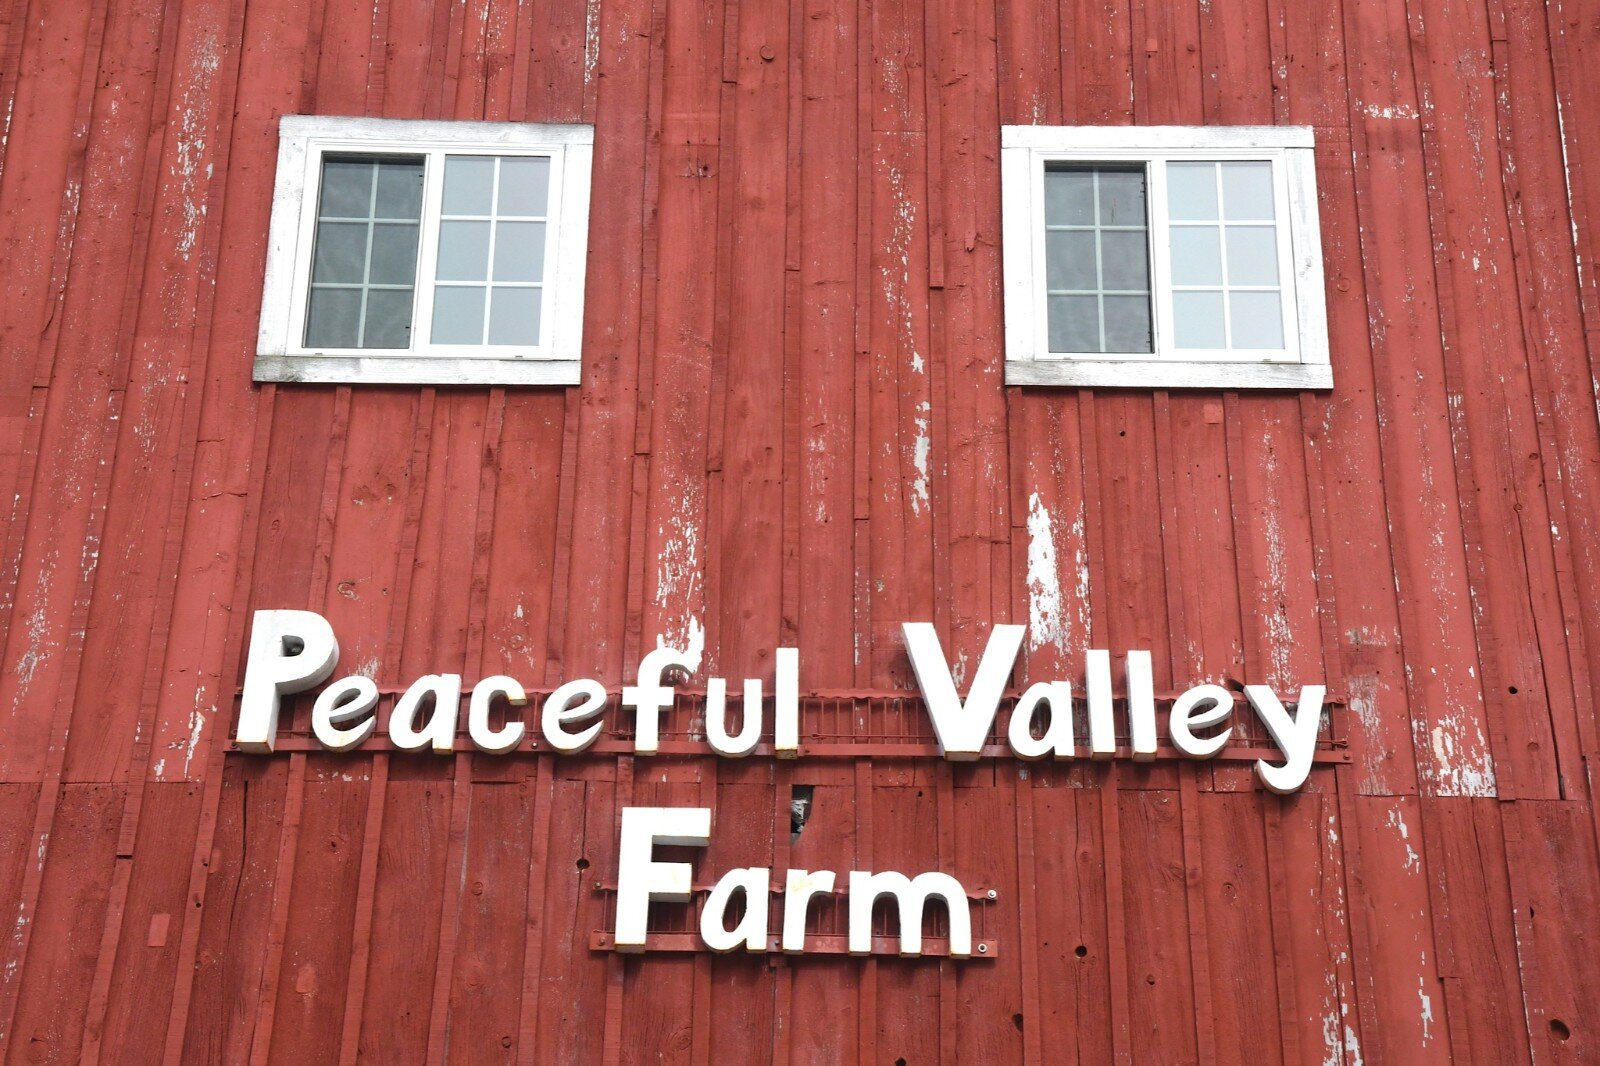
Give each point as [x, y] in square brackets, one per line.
[792, 427]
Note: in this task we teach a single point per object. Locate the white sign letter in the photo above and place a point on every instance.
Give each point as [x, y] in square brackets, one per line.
[1185, 719]
[559, 711]
[786, 704]
[650, 697]
[1296, 736]
[962, 728]
[340, 703]
[1102, 723]
[735, 747]
[640, 878]
[290, 651]
[1141, 706]
[911, 895]
[508, 736]
[752, 928]
[439, 732]
[798, 888]
[1056, 697]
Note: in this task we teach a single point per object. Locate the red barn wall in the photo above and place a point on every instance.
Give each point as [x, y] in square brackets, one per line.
[792, 429]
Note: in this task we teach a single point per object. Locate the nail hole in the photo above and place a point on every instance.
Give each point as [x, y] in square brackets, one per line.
[1016, 1020]
[583, 864]
[1512, 690]
[1081, 950]
[1559, 1030]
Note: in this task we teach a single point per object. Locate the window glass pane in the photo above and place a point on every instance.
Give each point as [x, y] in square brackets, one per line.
[1256, 319]
[1124, 260]
[1121, 197]
[463, 251]
[524, 185]
[1192, 191]
[1247, 190]
[514, 316]
[1069, 260]
[346, 188]
[341, 253]
[388, 319]
[458, 314]
[468, 184]
[394, 254]
[1196, 255]
[1127, 324]
[519, 251]
[333, 318]
[1197, 320]
[399, 192]
[1074, 324]
[1069, 197]
[1252, 255]
[352, 252]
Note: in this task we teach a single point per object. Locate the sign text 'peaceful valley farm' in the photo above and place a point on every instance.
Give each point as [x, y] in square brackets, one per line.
[295, 651]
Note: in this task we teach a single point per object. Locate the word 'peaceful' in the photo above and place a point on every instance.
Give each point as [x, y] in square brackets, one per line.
[294, 651]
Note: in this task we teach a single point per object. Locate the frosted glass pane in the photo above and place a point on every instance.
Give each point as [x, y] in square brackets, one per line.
[458, 315]
[333, 318]
[346, 188]
[1128, 324]
[388, 319]
[468, 184]
[1069, 197]
[514, 316]
[524, 186]
[463, 251]
[394, 254]
[1197, 318]
[1069, 259]
[1192, 191]
[1252, 255]
[1196, 255]
[1247, 190]
[1257, 319]
[1124, 260]
[519, 251]
[1122, 197]
[399, 190]
[341, 253]
[1074, 324]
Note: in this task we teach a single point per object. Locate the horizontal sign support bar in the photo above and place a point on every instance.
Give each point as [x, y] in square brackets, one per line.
[816, 944]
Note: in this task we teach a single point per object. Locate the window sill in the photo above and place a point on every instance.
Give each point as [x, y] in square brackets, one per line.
[415, 370]
[1126, 374]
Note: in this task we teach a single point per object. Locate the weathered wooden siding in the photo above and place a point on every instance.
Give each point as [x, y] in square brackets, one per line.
[792, 428]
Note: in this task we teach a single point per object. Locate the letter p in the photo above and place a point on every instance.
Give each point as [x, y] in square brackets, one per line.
[290, 651]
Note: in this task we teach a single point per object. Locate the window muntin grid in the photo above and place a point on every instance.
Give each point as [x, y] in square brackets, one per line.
[364, 253]
[489, 271]
[1226, 284]
[1097, 259]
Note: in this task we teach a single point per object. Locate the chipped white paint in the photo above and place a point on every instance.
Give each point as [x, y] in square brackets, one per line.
[920, 450]
[1427, 1008]
[1466, 771]
[1046, 614]
[1397, 822]
[189, 171]
[678, 576]
[591, 41]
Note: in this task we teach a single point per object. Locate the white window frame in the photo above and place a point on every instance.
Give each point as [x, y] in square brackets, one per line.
[1025, 152]
[281, 354]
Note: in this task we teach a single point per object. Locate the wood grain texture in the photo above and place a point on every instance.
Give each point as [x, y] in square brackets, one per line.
[793, 427]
